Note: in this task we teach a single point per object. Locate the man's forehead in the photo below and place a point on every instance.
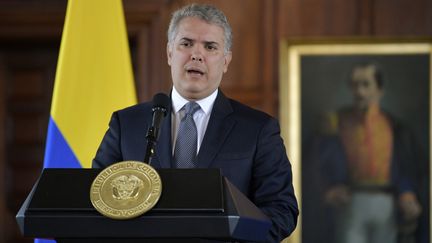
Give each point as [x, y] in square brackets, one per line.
[364, 73]
[193, 28]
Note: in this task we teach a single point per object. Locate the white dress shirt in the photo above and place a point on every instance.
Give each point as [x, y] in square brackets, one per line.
[201, 117]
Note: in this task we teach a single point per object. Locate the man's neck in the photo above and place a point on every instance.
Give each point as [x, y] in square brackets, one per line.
[370, 111]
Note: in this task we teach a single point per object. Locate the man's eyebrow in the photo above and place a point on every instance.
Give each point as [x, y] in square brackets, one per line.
[186, 39]
[205, 42]
[211, 43]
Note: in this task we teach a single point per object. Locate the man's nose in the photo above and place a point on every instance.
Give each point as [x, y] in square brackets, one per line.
[197, 58]
[197, 55]
[360, 94]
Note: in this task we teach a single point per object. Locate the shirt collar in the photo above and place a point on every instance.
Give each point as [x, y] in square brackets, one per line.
[206, 104]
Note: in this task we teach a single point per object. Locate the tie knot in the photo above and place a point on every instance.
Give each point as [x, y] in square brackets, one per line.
[191, 107]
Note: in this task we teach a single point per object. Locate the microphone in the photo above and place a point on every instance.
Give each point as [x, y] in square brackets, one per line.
[161, 106]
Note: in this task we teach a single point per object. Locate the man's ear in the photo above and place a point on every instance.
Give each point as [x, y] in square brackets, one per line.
[228, 57]
[169, 54]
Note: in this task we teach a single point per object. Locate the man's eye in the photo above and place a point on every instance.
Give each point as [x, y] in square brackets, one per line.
[186, 44]
[211, 47]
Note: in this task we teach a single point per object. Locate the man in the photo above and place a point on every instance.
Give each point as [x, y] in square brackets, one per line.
[368, 165]
[244, 143]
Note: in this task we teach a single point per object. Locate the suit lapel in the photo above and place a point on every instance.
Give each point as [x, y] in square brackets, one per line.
[163, 147]
[218, 128]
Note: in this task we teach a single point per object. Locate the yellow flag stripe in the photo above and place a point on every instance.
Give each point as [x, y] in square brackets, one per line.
[94, 74]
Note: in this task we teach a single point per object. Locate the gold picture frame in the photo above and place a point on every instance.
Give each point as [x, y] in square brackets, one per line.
[308, 72]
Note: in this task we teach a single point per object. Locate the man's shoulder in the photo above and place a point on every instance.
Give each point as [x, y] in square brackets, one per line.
[329, 121]
[145, 107]
[245, 112]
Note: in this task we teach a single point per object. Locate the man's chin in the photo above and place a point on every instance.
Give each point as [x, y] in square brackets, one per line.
[193, 94]
[361, 107]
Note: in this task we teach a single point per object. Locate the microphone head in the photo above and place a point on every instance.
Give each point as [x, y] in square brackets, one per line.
[161, 101]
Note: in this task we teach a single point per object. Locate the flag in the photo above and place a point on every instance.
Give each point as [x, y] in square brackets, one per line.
[93, 79]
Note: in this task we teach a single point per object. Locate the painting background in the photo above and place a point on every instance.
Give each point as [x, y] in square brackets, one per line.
[323, 81]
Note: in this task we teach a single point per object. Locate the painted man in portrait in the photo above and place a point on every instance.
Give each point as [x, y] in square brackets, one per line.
[366, 161]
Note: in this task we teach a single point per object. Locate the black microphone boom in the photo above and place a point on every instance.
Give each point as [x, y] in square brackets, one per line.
[161, 105]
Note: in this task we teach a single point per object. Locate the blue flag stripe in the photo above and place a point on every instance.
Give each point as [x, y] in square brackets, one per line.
[44, 241]
[58, 153]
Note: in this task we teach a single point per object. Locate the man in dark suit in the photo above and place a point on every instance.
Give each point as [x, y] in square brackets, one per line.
[368, 165]
[244, 143]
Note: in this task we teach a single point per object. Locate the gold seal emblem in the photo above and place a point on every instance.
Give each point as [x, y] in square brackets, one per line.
[126, 190]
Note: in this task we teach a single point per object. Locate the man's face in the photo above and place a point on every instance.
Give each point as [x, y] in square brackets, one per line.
[364, 87]
[197, 58]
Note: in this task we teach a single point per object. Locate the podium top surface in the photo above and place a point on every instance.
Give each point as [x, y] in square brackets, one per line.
[190, 190]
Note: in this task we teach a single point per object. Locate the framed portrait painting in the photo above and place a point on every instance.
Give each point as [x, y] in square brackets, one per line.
[356, 120]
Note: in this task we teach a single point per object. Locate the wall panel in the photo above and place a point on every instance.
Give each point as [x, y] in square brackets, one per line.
[317, 18]
[403, 18]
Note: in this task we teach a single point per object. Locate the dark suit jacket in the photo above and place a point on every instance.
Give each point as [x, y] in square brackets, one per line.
[244, 143]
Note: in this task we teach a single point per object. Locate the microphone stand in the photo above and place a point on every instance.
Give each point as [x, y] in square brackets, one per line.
[151, 143]
[161, 104]
[153, 134]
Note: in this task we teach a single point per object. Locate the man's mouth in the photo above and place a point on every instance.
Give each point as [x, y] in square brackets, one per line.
[194, 71]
